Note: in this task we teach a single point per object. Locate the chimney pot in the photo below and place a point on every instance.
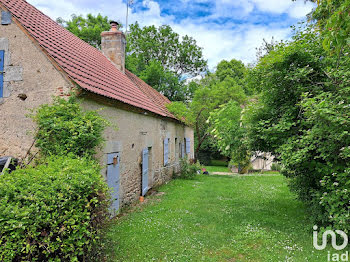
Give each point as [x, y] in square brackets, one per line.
[114, 26]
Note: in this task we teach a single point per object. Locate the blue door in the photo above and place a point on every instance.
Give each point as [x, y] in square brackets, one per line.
[2, 56]
[113, 179]
[145, 155]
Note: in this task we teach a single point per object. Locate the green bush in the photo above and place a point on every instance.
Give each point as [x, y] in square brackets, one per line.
[276, 167]
[335, 198]
[64, 127]
[52, 212]
[188, 171]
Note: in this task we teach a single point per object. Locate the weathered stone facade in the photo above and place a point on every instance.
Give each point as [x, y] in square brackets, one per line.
[37, 79]
[30, 79]
[136, 131]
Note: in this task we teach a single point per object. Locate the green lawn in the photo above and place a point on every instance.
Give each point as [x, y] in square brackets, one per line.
[217, 169]
[218, 162]
[217, 218]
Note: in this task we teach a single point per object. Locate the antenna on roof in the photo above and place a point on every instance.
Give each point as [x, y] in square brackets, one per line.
[128, 4]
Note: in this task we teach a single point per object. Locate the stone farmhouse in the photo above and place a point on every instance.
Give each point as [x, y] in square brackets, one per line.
[39, 59]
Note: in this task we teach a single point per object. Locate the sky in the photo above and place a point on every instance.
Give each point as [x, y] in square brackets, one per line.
[225, 29]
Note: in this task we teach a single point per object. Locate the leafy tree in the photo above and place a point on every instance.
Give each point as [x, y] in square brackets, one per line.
[301, 115]
[164, 45]
[226, 127]
[165, 82]
[88, 29]
[206, 99]
[161, 59]
[333, 22]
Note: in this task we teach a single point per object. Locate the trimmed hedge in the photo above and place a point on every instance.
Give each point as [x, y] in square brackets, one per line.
[52, 212]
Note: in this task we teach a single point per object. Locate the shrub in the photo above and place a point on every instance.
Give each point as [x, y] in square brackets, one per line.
[335, 199]
[188, 171]
[52, 212]
[64, 127]
[276, 167]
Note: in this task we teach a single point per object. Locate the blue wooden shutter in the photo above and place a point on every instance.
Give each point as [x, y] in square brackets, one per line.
[166, 151]
[2, 56]
[182, 150]
[113, 179]
[144, 171]
[188, 145]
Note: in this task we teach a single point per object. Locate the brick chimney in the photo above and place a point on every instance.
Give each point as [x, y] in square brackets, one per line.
[113, 46]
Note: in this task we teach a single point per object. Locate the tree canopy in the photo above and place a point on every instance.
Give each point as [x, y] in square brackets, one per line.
[87, 28]
[214, 90]
[162, 44]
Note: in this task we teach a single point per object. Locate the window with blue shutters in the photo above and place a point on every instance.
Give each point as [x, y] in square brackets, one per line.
[2, 58]
[166, 151]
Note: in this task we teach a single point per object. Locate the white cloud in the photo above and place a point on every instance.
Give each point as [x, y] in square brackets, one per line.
[239, 43]
[300, 9]
[151, 16]
[240, 8]
[224, 41]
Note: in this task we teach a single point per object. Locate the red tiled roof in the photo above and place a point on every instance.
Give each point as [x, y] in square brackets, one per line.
[155, 96]
[84, 64]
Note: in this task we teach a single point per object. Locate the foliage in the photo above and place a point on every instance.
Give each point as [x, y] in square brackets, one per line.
[182, 112]
[52, 212]
[334, 23]
[208, 97]
[302, 115]
[235, 69]
[64, 127]
[242, 218]
[88, 29]
[266, 48]
[162, 44]
[282, 77]
[165, 82]
[227, 129]
[188, 170]
[335, 198]
[276, 167]
[161, 59]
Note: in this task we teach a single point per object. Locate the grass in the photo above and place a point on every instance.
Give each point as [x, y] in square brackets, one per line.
[217, 169]
[217, 218]
[214, 162]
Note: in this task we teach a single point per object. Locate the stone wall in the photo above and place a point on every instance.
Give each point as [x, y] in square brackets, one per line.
[130, 132]
[30, 80]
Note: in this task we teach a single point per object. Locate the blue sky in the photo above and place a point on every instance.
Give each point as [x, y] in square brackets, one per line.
[225, 29]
